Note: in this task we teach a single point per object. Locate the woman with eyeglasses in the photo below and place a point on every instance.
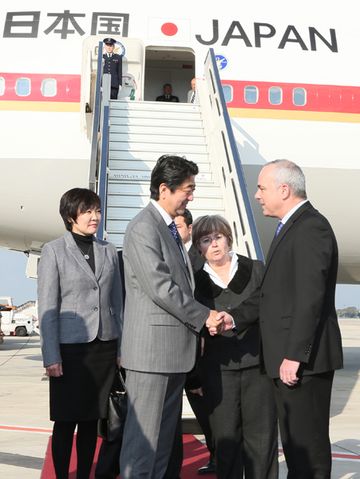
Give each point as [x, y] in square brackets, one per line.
[80, 314]
[239, 397]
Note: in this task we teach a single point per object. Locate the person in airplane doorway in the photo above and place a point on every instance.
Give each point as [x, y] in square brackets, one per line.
[300, 335]
[192, 96]
[80, 315]
[113, 65]
[167, 94]
[238, 394]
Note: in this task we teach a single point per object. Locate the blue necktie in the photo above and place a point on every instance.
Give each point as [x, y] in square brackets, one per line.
[278, 229]
[175, 234]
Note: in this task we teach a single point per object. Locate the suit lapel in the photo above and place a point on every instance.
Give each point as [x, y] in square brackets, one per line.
[77, 255]
[189, 269]
[288, 225]
[99, 256]
[167, 236]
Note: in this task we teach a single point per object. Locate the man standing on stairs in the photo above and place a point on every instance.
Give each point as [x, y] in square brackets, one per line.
[113, 66]
[161, 320]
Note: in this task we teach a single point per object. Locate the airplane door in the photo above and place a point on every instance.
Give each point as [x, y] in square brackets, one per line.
[163, 65]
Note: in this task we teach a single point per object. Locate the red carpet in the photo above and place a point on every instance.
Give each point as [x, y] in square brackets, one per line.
[195, 456]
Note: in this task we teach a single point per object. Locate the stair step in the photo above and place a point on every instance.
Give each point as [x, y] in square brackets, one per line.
[148, 106]
[158, 137]
[153, 156]
[115, 203]
[154, 122]
[139, 165]
[143, 175]
[159, 114]
[143, 189]
[153, 130]
[174, 148]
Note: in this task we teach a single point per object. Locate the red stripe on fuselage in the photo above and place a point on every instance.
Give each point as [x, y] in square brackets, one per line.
[67, 87]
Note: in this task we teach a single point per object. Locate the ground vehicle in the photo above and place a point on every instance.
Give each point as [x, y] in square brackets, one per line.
[1, 333]
[17, 321]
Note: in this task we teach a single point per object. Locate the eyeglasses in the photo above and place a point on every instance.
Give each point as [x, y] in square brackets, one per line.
[207, 240]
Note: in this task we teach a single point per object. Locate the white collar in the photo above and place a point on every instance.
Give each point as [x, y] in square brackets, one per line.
[213, 275]
[164, 214]
[292, 211]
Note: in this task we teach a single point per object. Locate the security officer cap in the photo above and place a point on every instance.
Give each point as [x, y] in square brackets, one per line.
[109, 41]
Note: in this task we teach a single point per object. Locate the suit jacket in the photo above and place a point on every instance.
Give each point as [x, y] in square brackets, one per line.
[76, 305]
[190, 94]
[172, 98]
[298, 319]
[113, 65]
[160, 315]
[197, 261]
[242, 350]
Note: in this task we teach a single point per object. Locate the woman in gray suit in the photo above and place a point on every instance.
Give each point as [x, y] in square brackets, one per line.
[80, 313]
[240, 401]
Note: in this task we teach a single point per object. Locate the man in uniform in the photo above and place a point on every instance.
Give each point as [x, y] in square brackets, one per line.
[113, 65]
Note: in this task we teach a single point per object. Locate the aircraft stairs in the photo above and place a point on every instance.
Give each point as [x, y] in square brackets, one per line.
[129, 138]
[134, 134]
[140, 132]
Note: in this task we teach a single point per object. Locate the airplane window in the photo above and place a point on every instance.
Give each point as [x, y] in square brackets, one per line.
[251, 94]
[2, 86]
[49, 87]
[275, 95]
[299, 96]
[23, 87]
[228, 93]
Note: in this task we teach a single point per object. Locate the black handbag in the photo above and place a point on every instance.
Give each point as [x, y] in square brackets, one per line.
[112, 428]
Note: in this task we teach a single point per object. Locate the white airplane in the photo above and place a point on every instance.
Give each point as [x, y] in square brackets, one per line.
[290, 78]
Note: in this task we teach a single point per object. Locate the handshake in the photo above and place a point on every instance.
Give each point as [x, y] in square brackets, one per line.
[217, 323]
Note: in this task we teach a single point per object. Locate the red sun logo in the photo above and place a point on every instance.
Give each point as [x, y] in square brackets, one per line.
[169, 29]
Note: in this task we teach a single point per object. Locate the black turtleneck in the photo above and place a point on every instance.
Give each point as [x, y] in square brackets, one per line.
[86, 246]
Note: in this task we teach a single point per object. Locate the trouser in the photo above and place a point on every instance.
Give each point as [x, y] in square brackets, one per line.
[243, 423]
[304, 412]
[154, 402]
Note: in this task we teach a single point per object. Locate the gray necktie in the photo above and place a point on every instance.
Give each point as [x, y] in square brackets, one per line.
[192, 97]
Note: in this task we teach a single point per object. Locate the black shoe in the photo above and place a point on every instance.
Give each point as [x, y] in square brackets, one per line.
[209, 468]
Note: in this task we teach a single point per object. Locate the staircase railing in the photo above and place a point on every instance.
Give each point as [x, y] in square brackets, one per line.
[96, 122]
[100, 140]
[221, 139]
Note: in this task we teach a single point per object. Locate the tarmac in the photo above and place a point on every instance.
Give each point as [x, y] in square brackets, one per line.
[25, 427]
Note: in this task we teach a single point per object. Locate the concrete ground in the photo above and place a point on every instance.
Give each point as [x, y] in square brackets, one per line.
[25, 428]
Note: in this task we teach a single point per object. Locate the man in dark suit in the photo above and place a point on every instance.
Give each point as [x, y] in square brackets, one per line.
[301, 342]
[184, 226]
[167, 96]
[113, 65]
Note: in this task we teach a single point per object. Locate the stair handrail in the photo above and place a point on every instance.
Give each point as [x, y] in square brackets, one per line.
[218, 103]
[96, 122]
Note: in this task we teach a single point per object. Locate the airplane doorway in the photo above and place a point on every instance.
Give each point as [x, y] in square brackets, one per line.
[163, 65]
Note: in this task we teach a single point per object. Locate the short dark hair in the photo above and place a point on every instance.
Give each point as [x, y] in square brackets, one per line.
[171, 170]
[205, 225]
[75, 201]
[187, 217]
